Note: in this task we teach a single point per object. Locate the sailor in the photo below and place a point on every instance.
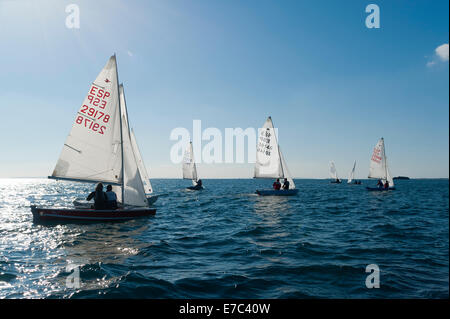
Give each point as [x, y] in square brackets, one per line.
[386, 185]
[111, 198]
[199, 184]
[277, 185]
[380, 183]
[286, 184]
[99, 197]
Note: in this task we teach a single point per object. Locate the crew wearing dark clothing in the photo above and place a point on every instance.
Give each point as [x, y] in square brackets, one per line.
[111, 198]
[99, 197]
[199, 185]
[380, 183]
[277, 185]
[286, 184]
[386, 185]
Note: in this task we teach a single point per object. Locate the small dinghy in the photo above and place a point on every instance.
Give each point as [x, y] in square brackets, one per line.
[379, 168]
[270, 162]
[333, 174]
[352, 174]
[190, 169]
[379, 189]
[64, 214]
[101, 148]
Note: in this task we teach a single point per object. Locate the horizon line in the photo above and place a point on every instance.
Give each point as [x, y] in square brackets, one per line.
[251, 178]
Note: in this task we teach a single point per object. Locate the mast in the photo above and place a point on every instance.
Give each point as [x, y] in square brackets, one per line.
[385, 161]
[121, 133]
[193, 160]
[278, 147]
[126, 110]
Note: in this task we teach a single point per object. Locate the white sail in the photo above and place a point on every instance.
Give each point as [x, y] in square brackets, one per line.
[268, 162]
[388, 174]
[189, 168]
[142, 170]
[378, 164]
[286, 171]
[133, 192]
[333, 172]
[92, 151]
[352, 173]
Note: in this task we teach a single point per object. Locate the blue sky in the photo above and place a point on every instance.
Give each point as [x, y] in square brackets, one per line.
[332, 86]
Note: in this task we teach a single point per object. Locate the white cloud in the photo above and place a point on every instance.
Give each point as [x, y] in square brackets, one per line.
[440, 55]
[442, 52]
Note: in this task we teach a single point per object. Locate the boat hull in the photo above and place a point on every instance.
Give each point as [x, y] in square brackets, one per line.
[376, 189]
[81, 203]
[66, 214]
[273, 192]
[195, 188]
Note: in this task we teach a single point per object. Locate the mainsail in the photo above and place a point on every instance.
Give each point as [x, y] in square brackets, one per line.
[333, 172]
[352, 173]
[92, 151]
[189, 168]
[270, 162]
[378, 164]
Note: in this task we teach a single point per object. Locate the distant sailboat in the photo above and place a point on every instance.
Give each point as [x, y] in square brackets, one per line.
[190, 169]
[352, 174]
[98, 149]
[270, 162]
[379, 168]
[333, 174]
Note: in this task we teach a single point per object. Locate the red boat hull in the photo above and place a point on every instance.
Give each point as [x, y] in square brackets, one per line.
[65, 214]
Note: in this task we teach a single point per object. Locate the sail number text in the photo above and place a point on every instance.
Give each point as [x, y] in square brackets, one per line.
[376, 155]
[264, 143]
[89, 115]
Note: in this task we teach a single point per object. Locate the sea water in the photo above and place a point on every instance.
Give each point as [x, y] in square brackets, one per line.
[227, 242]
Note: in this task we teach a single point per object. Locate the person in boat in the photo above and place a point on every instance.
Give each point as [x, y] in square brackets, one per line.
[386, 185]
[286, 184]
[99, 197]
[198, 185]
[277, 185]
[380, 184]
[111, 198]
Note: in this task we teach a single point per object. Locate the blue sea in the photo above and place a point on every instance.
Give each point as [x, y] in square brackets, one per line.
[227, 242]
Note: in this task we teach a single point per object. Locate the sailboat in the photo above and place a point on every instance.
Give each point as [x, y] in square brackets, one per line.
[190, 169]
[100, 148]
[270, 161]
[379, 168]
[333, 174]
[352, 174]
